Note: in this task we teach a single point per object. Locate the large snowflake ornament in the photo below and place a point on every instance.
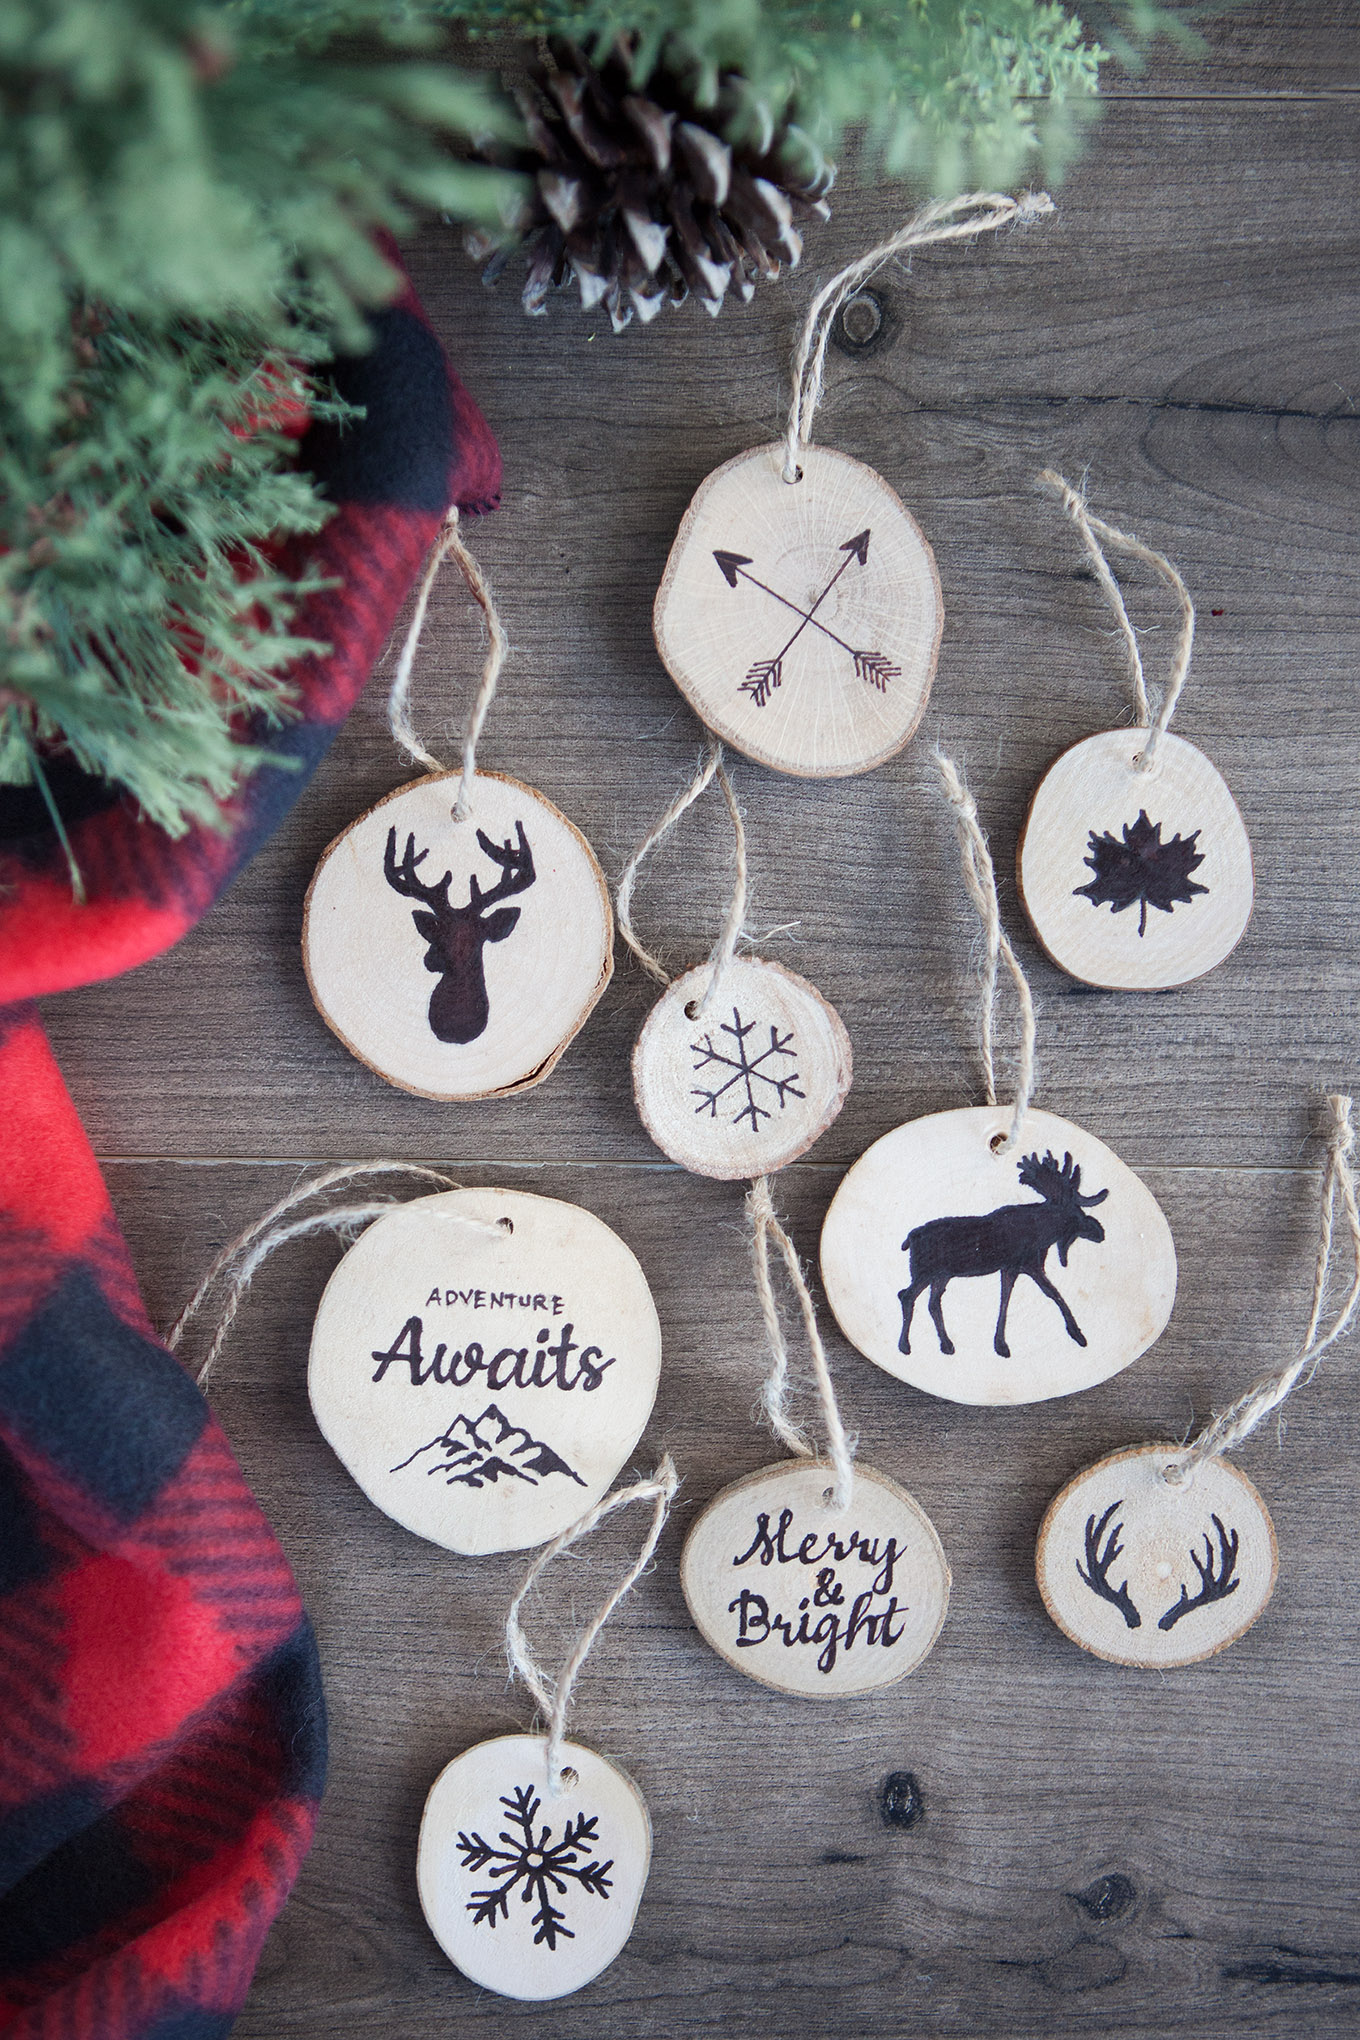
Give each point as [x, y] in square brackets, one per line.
[747, 1070]
[539, 1864]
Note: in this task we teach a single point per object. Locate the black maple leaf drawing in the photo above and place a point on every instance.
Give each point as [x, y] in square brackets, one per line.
[1141, 868]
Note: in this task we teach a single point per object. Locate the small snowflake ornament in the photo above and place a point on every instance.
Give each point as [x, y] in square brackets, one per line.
[532, 1891]
[746, 1082]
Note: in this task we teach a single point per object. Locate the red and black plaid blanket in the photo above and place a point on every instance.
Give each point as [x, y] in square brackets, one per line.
[162, 1729]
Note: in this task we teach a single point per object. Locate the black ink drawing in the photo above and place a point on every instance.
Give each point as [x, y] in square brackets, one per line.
[537, 1863]
[1217, 1570]
[479, 1452]
[767, 674]
[458, 935]
[750, 1071]
[1099, 1563]
[1142, 868]
[1011, 1241]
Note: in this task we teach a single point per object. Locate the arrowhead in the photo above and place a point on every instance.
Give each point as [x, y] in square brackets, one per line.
[729, 562]
[858, 546]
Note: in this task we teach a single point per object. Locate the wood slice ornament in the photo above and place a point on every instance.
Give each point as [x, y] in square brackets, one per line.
[996, 1255]
[457, 936]
[800, 610]
[741, 1065]
[1135, 868]
[1163, 1555]
[534, 1851]
[816, 1576]
[482, 1363]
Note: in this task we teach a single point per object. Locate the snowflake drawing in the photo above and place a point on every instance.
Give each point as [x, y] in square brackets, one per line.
[747, 1070]
[1141, 869]
[539, 1864]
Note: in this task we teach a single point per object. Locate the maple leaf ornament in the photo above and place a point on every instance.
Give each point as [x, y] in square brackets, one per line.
[1141, 868]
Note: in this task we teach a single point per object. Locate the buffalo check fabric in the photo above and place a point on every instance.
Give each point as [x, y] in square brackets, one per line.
[162, 1728]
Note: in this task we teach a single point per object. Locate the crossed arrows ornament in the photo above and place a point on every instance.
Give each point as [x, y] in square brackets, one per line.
[767, 674]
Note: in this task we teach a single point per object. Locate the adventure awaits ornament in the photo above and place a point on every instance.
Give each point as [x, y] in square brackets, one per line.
[1134, 865]
[1162, 1555]
[816, 1576]
[534, 1851]
[457, 936]
[741, 1065]
[483, 1362]
[993, 1254]
[800, 611]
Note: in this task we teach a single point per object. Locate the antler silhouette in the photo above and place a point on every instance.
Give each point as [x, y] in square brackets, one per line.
[404, 879]
[517, 869]
[1216, 1571]
[1060, 1185]
[1100, 1562]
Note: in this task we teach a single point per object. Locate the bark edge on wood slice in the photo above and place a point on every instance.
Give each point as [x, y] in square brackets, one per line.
[1143, 1573]
[801, 620]
[529, 1895]
[1135, 881]
[483, 1384]
[927, 1238]
[770, 1080]
[517, 970]
[818, 1626]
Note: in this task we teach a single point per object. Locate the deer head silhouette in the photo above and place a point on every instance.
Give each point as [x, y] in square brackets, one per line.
[457, 935]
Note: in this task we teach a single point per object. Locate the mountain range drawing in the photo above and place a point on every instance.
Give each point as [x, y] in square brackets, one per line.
[478, 1451]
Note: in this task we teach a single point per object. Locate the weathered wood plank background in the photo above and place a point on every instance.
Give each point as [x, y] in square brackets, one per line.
[1186, 329]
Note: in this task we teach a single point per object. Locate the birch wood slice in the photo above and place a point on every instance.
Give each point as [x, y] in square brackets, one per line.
[929, 1236]
[748, 1086]
[458, 959]
[529, 1895]
[1142, 1573]
[484, 1382]
[801, 620]
[1135, 881]
[811, 1601]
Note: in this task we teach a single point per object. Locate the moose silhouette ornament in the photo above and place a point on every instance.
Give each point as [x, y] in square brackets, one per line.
[1028, 1293]
[508, 911]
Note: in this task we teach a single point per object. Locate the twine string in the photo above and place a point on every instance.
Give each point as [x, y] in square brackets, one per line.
[449, 544]
[710, 767]
[1092, 530]
[1229, 1430]
[774, 1394]
[979, 875]
[241, 1259]
[553, 1696]
[953, 219]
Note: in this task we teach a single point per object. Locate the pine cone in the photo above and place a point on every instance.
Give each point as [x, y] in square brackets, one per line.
[642, 197]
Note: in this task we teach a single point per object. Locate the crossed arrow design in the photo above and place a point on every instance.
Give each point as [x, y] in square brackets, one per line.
[767, 674]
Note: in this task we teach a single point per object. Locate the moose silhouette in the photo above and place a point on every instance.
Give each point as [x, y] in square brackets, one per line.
[457, 935]
[1010, 1242]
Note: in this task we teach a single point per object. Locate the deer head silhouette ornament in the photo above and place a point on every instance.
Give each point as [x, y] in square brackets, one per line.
[457, 935]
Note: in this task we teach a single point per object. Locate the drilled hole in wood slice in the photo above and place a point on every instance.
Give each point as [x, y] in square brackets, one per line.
[458, 960]
[1142, 1573]
[529, 1893]
[802, 624]
[1135, 881]
[484, 1387]
[985, 1277]
[817, 1605]
[746, 1087]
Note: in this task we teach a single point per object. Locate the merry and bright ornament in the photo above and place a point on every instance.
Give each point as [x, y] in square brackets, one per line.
[474, 881]
[996, 1255]
[1134, 864]
[800, 611]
